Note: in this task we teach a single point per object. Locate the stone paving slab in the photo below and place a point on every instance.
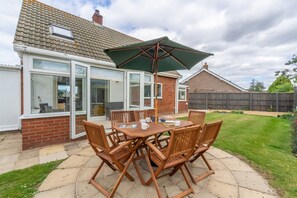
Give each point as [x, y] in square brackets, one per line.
[6, 167]
[52, 157]
[59, 178]
[252, 180]
[67, 191]
[25, 163]
[74, 161]
[9, 158]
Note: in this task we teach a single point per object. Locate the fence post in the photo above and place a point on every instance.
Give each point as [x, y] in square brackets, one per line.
[251, 101]
[276, 100]
[227, 100]
[295, 99]
[206, 101]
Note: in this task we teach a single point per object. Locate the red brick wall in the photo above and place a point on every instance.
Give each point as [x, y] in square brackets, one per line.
[38, 132]
[167, 103]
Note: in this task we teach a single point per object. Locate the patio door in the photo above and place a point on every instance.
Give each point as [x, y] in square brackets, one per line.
[80, 82]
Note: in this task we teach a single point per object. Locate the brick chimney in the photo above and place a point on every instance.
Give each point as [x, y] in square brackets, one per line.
[205, 66]
[97, 18]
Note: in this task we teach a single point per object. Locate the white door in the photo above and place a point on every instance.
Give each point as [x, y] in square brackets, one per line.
[80, 92]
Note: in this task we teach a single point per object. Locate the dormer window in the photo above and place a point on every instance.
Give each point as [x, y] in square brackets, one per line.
[61, 32]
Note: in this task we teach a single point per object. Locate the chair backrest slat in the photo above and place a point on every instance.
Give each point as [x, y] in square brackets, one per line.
[140, 114]
[183, 141]
[197, 117]
[118, 117]
[96, 136]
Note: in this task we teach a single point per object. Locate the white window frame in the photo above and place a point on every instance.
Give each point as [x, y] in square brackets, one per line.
[68, 37]
[142, 98]
[28, 61]
[185, 90]
[161, 91]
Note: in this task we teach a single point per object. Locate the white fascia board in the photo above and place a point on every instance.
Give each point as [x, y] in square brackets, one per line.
[10, 67]
[20, 49]
[168, 75]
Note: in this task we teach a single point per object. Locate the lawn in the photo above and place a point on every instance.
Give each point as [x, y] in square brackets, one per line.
[24, 183]
[264, 142]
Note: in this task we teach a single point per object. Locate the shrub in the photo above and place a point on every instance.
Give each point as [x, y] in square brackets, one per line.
[294, 134]
[288, 116]
[237, 112]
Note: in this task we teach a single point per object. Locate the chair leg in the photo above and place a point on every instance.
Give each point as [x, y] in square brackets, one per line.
[189, 190]
[138, 172]
[190, 174]
[96, 172]
[123, 173]
[209, 172]
[121, 168]
[153, 177]
[195, 157]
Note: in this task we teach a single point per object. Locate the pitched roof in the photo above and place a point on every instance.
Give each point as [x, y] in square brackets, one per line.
[215, 75]
[33, 30]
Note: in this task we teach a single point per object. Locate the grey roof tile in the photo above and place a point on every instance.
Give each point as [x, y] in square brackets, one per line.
[89, 39]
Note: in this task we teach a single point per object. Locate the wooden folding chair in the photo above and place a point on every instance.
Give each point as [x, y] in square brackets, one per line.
[140, 114]
[197, 117]
[181, 147]
[208, 136]
[120, 117]
[114, 156]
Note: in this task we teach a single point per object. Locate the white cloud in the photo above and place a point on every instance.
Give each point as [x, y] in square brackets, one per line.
[250, 39]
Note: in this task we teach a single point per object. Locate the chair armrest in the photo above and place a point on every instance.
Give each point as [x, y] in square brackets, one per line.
[120, 147]
[155, 150]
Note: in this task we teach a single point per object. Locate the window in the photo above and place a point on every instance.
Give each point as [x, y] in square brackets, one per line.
[134, 94]
[49, 93]
[99, 96]
[147, 86]
[61, 32]
[140, 90]
[159, 90]
[182, 93]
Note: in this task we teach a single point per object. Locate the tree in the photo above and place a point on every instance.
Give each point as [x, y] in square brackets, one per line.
[256, 86]
[281, 84]
[290, 73]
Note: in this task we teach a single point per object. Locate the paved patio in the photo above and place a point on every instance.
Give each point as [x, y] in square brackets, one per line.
[232, 178]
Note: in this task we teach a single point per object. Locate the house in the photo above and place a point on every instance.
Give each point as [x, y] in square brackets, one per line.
[66, 76]
[206, 81]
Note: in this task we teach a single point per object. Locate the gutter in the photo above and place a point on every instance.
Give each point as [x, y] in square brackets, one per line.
[20, 49]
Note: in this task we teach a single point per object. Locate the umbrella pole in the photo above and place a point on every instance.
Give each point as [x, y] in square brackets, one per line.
[156, 81]
[156, 98]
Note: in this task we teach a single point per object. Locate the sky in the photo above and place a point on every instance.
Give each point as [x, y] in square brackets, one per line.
[251, 39]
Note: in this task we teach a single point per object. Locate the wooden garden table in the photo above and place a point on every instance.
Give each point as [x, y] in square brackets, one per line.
[141, 136]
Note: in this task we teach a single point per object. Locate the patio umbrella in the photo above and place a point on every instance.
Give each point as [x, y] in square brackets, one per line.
[157, 55]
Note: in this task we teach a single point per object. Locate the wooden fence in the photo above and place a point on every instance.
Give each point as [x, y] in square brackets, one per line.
[279, 102]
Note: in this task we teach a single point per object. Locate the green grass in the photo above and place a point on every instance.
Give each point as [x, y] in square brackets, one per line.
[264, 142]
[25, 182]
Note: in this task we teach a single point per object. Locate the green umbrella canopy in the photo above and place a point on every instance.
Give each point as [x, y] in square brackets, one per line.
[143, 56]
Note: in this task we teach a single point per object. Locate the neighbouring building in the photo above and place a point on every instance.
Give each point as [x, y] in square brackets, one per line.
[206, 81]
[67, 77]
